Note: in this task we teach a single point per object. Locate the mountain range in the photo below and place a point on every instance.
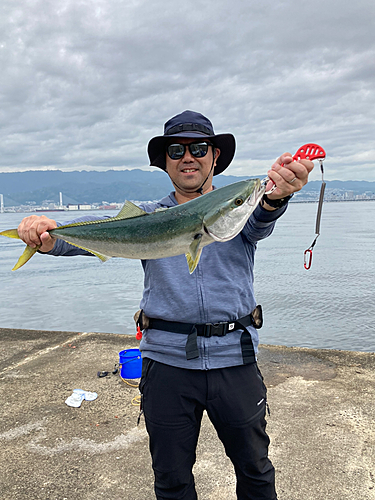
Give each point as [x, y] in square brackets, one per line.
[36, 186]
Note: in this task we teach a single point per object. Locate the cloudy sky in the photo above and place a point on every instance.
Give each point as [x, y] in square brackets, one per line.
[84, 84]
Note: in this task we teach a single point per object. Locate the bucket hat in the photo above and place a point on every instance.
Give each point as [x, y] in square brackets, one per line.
[191, 125]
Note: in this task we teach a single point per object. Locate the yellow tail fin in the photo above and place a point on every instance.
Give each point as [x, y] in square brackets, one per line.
[11, 233]
[27, 253]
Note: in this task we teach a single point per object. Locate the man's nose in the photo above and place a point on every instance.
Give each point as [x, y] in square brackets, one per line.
[188, 157]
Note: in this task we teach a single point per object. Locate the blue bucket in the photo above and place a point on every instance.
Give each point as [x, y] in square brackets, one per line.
[131, 363]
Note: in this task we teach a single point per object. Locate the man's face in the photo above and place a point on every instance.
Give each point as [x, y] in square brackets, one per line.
[189, 172]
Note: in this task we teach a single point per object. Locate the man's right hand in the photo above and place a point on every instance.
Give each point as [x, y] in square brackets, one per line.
[32, 231]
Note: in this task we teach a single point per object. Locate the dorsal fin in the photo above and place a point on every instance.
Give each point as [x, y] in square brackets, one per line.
[129, 210]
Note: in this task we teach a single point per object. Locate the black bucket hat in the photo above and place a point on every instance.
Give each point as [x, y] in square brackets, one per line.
[191, 124]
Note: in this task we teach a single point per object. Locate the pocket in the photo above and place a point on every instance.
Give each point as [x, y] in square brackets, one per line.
[259, 373]
[264, 389]
[261, 380]
[146, 365]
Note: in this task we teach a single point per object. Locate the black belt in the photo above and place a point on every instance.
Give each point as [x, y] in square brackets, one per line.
[193, 330]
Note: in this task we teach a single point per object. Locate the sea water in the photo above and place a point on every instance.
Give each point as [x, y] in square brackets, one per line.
[332, 305]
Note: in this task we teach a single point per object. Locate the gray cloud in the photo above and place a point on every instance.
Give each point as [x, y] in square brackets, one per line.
[86, 84]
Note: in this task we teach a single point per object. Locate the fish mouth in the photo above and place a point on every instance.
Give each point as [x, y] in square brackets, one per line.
[232, 223]
[257, 195]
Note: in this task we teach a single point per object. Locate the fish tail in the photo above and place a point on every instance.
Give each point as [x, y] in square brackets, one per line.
[10, 233]
[27, 253]
[25, 257]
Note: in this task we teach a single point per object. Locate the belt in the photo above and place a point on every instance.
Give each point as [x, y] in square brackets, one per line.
[194, 330]
[203, 329]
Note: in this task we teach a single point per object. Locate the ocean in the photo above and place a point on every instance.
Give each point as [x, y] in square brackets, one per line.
[330, 306]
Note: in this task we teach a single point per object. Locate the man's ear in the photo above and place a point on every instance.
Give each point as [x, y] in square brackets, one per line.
[216, 153]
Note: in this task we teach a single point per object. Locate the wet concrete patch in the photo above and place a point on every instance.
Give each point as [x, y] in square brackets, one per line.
[278, 364]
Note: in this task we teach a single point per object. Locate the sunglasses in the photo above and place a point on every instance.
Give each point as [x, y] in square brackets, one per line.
[105, 373]
[197, 149]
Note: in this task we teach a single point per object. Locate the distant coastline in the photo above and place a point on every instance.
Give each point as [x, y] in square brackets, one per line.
[49, 190]
[332, 201]
[117, 207]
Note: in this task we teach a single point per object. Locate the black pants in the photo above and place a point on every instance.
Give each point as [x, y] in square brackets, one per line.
[173, 400]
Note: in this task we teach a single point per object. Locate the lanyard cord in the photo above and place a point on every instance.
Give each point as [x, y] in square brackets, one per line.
[308, 253]
[200, 190]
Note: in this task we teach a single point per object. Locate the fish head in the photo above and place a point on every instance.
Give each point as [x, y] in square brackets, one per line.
[232, 211]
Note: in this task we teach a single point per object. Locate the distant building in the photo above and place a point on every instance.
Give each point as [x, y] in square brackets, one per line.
[80, 206]
[113, 206]
[335, 197]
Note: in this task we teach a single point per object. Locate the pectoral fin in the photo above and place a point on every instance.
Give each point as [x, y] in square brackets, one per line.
[194, 253]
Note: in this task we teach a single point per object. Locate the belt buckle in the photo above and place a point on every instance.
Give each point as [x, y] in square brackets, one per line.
[214, 329]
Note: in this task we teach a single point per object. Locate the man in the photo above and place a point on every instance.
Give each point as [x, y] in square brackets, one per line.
[191, 363]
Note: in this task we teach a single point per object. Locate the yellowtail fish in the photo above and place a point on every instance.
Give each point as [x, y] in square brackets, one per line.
[219, 215]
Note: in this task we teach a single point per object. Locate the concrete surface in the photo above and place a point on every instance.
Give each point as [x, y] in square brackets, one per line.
[322, 423]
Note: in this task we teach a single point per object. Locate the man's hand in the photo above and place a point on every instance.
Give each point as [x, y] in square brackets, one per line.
[32, 231]
[289, 178]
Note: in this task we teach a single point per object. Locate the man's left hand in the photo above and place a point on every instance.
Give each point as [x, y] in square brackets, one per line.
[288, 175]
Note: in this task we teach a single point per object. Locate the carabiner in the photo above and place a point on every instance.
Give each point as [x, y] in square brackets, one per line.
[310, 152]
[307, 258]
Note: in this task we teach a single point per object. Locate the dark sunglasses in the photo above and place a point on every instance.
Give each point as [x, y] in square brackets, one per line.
[105, 373]
[197, 149]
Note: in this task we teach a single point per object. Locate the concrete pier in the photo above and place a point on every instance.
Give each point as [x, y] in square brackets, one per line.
[322, 423]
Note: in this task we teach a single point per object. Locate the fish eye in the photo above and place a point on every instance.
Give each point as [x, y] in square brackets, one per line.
[238, 202]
